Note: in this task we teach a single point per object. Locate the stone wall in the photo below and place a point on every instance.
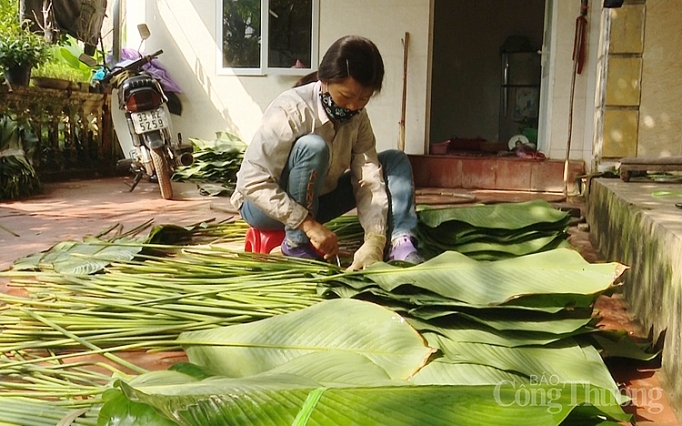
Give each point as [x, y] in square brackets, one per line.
[630, 225]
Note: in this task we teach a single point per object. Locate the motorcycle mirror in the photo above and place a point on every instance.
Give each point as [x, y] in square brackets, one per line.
[87, 60]
[143, 30]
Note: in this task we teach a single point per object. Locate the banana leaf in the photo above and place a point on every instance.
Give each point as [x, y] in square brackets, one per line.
[489, 247]
[550, 324]
[358, 327]
[562, 362]
[410, 301]
[506, 216]
[451, 233]
[471, 332]
[492, 232]
[337, 368]
[442, 372]
[95, 253]
[516, 248]
[619, 344]
[119, 410]
[443, 233]
[215, 161]
[78, 258]
[492, 255]
[554, 274]
[294, 400]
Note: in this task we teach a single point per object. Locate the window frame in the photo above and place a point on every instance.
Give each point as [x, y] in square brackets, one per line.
[265, 69]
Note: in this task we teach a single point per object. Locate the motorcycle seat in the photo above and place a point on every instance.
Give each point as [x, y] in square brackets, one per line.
[138, 81]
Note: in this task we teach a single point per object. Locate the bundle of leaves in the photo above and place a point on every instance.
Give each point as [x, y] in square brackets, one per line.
[18, 178]
[492, 232]
[216, 164]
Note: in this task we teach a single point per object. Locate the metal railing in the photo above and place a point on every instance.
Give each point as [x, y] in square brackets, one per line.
[73, 128]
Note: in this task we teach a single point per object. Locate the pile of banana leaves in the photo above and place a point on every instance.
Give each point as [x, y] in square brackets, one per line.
[215, 165]
[451, 341]
[492, 232]
[269, 340]
[18, 178]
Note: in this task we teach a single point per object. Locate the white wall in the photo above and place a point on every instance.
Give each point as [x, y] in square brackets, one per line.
[385, 22]
[187, 32]
[563, 30]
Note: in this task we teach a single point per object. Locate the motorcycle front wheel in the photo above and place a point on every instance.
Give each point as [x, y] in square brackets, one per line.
[162, 168]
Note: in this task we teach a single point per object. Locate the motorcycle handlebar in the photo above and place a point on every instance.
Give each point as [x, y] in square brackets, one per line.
[131, 66]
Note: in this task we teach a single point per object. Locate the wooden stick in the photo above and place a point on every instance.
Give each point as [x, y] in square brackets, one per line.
[577, 46]
[401, 137]
[9, 231]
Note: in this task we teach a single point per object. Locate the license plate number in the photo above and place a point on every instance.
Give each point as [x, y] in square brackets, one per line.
[149, 121]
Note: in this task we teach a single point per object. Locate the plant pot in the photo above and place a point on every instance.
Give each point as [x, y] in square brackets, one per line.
[18, 75]
[51, 83]
[439, 148]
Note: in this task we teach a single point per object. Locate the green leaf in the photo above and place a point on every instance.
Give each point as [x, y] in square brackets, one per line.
[492, 232]
[516, 248]
[119, 410]
[473, 333]
[501, 216]
[442, 372]
[191, 370]
[346, 325]
[563, 362]
[336, 368]
[403, 301]
[550, 324]
[74, 258]
[279, 400]
[169, 234]
[620, 344]
[560, 274]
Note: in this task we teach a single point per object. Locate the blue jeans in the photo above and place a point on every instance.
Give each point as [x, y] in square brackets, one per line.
[303, 177]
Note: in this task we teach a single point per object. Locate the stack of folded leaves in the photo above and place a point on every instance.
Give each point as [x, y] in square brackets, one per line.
[215, 165]
[492, 232]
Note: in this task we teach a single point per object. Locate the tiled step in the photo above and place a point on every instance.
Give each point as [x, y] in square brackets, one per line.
[494, 173]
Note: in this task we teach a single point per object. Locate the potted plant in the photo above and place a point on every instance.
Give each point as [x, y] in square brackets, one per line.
[63, 70]
[20, 51]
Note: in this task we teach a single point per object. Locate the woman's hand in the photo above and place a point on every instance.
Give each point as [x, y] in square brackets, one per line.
[321, 238]
[371, 252]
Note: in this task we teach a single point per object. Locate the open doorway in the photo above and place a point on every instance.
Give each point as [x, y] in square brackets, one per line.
[486, 73]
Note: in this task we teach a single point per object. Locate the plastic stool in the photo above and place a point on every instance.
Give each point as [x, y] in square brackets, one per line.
[258, 241]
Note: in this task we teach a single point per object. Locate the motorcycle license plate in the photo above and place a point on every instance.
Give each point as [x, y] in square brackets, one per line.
[149, 121]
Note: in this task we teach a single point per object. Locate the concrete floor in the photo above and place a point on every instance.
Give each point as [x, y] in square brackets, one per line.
[72, 210]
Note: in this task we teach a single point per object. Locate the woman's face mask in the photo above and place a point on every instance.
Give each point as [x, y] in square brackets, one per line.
[334, 111]
[345, 99]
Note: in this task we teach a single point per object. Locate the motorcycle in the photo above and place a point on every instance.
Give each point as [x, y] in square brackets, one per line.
[148, 146]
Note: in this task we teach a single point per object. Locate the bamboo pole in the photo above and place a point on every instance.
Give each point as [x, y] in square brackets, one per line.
[401, 137]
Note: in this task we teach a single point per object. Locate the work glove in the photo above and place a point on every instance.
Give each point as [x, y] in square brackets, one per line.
[370, 252]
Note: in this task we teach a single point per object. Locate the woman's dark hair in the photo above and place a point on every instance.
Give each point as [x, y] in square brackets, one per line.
[350, 56]
[307, 79]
